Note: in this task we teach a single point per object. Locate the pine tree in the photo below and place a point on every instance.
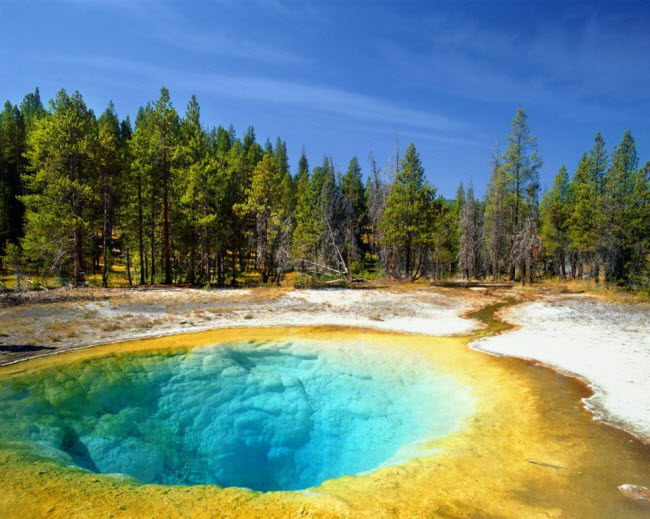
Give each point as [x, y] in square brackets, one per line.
[453, 224]
[377, 190]
[190, 174]
[619, 188]
[109, 161]
[521, 164]
[12, 169]
[61, 151]
[409, 217]
[165, 137]
[300, 237]
[470, 255]
[584, 229]
[598, 164]
[497, 220]
[637, 225]
[125, 194]
[32, 109]
[265, 203]
[144, 182]
[555, 212]
[354, 195]
[333, 216]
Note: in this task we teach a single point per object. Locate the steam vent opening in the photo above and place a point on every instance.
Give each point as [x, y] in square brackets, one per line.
[266, 416]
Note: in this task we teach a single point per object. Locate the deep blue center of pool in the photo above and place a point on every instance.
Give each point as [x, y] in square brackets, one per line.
[272, 416]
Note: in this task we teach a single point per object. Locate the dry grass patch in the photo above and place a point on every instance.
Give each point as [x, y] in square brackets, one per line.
[111, 326]
[89, 314]
[63, 329]
[143, 323]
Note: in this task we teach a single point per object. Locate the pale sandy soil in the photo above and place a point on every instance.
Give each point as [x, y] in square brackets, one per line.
[86, 317]
[605, 344]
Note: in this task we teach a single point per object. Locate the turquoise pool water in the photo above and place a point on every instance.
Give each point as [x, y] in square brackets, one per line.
[266, 416]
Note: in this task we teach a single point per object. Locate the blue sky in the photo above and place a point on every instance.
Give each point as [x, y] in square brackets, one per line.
[344, 78]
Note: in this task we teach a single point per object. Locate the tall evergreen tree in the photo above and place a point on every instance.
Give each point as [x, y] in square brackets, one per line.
[191, 173]
[142, 177]
[61, 151]
[497, 221]
[637, 225]
[109, 160]
[619, 189]
[32, 109]
[470, 255]
[555, 212]
[127, 237]
[584, 229]
[521, 163]
[409, 217]
[12, 169]
[166, 124]
[354, 195]
[265, 202]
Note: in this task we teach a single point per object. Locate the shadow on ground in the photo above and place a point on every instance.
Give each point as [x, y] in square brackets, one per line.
[18, 348]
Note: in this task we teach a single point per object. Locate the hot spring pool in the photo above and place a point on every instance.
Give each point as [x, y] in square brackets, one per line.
[275, 415]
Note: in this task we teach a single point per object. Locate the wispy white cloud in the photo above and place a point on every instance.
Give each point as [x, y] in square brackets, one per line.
[163, 23]
[343, 103]
[219, 44]
[582, 68]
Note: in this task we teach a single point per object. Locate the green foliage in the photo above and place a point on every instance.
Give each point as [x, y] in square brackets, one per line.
[110, 161]
[409, 217]
[584, 220]
[521, 164]
[12, 168]
[61, 152]
[619, 207]
[175, 201]
[266, 203]
[555, 214]
[353, 192]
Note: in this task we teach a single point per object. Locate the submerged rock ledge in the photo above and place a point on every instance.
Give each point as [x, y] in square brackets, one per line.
[263, 415]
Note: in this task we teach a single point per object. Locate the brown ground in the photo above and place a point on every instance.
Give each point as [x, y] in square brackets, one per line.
[45, 322]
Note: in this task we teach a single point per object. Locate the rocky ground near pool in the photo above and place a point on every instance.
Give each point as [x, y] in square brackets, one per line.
[48, 322]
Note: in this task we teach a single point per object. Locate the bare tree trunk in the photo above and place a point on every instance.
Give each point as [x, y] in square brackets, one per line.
[128, 266]
[152, 272]
[234, 268]
[166, 254]
[141, 234]
[78, 257]
[192, 263]
[105, 232]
